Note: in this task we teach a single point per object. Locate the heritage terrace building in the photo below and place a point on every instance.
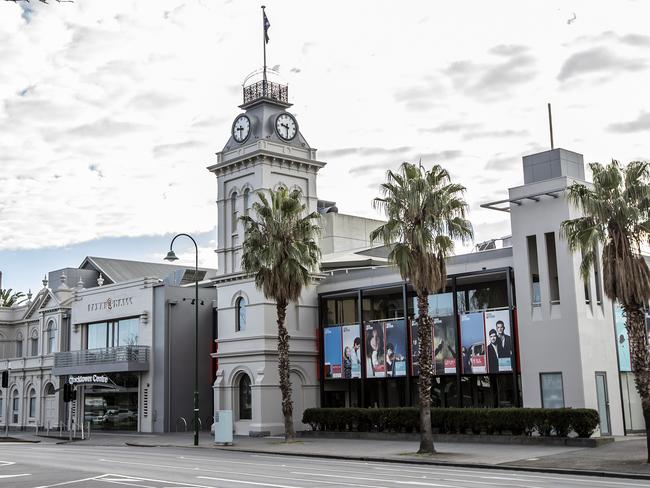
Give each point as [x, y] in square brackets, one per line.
[515, 326]
[121, 336]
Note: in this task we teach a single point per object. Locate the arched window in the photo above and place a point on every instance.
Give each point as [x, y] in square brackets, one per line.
[32, 403]
[233, 209]
[19, 345]
[50, 337]
[49, 389]
[15, 404]
[246, 200]
[245, 397]
[34, 343]
[240, 314]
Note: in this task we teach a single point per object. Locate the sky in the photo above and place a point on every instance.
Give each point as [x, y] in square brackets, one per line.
[110, 112]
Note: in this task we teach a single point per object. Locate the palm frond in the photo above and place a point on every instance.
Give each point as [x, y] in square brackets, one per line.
[425, 213]
[616, 219]
[280, 246]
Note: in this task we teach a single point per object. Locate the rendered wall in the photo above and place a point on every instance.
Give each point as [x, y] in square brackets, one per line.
[571, 337]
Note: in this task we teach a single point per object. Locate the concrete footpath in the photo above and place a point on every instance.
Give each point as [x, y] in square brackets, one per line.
[623, 458]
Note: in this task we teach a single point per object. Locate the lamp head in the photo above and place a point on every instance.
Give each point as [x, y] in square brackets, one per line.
[171, 256]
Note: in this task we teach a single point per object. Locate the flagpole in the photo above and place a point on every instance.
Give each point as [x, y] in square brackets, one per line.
[264, 44]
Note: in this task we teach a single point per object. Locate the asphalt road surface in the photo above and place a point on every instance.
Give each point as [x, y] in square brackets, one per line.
[70, 465]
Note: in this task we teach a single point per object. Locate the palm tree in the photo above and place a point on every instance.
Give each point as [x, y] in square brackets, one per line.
[9, 298]
[426, 213]
[281, 251]
[616, 215]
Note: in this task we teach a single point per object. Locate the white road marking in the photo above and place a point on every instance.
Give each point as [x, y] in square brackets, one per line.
[229, 472]
[524, 477]
[352, 477]
[127, 483]
[177, 484]
[213, 460]
[67, 482]
[13, 475]
[248, 482]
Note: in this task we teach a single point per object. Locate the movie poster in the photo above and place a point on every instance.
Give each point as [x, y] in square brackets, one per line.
[499, 343]
[351, 351]
[624, 360]
[472, 334]
[444, 345]
[396, 347]
[375, 350]
[332, 352]
[415, 349]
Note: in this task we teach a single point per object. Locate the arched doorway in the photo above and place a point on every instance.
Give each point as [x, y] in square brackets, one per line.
[242, 403]
[49, 406]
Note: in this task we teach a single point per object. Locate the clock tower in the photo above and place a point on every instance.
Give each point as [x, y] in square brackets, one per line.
[265, 150]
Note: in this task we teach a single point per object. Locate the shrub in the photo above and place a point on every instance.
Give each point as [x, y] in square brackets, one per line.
[516, 421]
[583, 421]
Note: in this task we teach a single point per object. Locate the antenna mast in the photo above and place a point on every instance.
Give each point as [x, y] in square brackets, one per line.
[550, 124]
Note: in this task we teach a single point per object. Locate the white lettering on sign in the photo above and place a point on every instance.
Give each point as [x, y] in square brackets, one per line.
[110, 304]
[94, 378]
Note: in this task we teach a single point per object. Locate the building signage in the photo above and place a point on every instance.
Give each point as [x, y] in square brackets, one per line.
[85, 379]
[110, 304]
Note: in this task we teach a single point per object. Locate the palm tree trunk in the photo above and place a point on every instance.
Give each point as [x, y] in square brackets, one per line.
[284, 371]
[640, 356]
[425, 365]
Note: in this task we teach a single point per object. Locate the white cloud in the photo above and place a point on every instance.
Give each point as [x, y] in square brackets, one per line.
[143, 94]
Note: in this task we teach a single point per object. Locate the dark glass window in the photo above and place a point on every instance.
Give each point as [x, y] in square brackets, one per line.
[245, 398]
[340, 311]
[240, 314]
[32, 403]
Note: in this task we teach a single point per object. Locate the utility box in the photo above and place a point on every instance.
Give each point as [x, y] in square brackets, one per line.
[223, 426]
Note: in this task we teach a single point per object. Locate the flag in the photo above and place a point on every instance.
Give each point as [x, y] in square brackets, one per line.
[267, 24]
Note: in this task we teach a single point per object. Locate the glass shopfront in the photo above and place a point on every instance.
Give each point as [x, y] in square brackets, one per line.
[113, 406]
[370, 346]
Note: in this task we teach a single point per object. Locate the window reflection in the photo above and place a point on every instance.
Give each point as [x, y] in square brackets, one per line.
[122, 332]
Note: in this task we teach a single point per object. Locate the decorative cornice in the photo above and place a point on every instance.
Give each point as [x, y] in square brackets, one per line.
[261, 155]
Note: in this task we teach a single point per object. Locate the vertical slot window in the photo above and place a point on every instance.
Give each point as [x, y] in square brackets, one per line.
[233, 209]
[533, 265]
[246, 201]
[551, 258]
[599, 289]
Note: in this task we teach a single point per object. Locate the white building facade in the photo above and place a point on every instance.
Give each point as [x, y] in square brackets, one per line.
[559, 345]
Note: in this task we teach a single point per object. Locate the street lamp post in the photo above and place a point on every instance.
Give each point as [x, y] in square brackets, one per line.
[171, 256]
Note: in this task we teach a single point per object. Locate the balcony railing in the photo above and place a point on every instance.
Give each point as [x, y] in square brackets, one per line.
[266, 89]
[111, 359]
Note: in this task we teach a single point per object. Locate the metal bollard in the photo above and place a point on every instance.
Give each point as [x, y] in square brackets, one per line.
[89, 430]
[82, 431]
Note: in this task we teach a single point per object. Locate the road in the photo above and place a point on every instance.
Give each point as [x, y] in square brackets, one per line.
[70, 465]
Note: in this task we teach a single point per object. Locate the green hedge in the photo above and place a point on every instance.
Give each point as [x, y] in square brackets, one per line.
[515, 421]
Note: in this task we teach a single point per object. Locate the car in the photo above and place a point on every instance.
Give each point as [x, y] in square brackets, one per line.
[118, 416]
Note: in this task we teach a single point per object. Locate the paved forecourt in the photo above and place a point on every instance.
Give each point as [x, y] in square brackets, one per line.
[49, 465]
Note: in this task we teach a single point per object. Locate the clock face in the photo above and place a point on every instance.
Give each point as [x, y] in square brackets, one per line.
[286, 126]
[241, 128]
